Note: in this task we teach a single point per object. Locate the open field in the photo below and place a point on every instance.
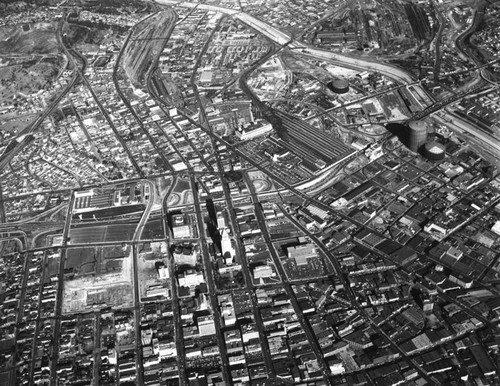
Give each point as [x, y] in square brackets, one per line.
[39, 39]
[153, 230]
[82, 260]
[111, 212]
[111, 258]
[115, 252]
[27, 79]
[102, 233]
[16, 123]
[110, 289]
[6, 379]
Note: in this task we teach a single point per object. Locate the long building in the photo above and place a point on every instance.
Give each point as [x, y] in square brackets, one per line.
[311, 142]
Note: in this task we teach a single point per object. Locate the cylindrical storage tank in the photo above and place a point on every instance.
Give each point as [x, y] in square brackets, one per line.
[338, 86]
[417, 134]
[434, 151]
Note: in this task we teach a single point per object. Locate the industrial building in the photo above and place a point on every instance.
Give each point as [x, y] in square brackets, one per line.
[338, 86]
[434, 151]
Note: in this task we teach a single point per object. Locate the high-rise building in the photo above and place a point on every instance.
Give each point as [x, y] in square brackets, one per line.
[417, 135]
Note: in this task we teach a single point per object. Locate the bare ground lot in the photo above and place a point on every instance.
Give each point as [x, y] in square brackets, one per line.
[39, 39]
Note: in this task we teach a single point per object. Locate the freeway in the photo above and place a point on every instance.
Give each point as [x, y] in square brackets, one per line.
[282, 38]
[34, 125]
[355, 63]
[207, 7]
[147, 211]
[465, 127]
[135, 281]
[60, 288]
[272, 33]
[447, 101]
[380, 93]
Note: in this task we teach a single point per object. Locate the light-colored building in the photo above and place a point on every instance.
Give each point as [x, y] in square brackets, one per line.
[191, 278]
[206, 325]
[163, 273]
[182, 232]
[221, 220]
[301, 253]
[251, 133]
[228, 251]
[263, 271]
